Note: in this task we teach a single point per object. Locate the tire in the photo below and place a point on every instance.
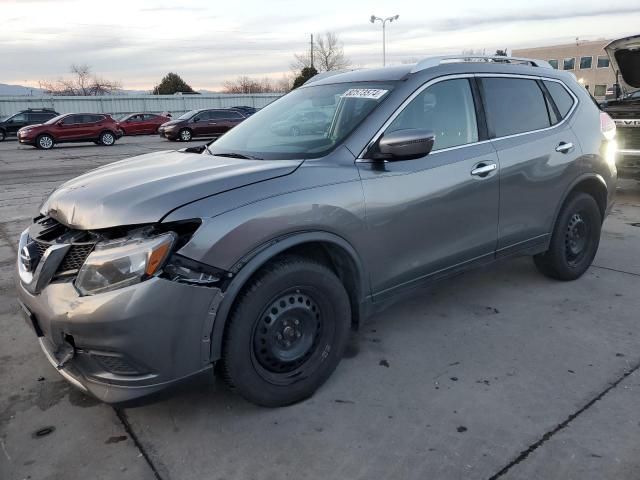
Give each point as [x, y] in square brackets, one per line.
[3, 135]
[45, 142]
[294, 132]
[574, 241]
[107, 139]
[286, 333]
[185, 135]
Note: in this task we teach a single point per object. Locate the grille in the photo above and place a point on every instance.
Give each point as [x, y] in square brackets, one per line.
[628, 138]
[74, 258]
[117, 365]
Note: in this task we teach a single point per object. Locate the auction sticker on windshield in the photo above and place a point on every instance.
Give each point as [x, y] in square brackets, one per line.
[372, 93]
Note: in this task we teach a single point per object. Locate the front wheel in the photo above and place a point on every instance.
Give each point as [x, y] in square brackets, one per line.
[286, 333]
[3, 135]
[574, 241]
[44, 142]
[107, 139]
[185, 135]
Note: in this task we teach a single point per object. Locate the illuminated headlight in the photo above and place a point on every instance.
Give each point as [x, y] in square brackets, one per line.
[121, 263]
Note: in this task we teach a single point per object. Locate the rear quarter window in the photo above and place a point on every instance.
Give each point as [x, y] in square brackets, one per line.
[514, 105]
[562, 98]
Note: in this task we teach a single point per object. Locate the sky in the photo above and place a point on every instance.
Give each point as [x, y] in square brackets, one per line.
[136, 42]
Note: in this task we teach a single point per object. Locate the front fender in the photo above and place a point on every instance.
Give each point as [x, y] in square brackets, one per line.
[253, 261]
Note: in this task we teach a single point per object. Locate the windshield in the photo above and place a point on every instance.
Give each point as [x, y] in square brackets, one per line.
[187, 115]
[54, 119]
[307, 123]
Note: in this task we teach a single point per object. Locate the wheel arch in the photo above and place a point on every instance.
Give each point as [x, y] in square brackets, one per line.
[331, 249]
[592, 184]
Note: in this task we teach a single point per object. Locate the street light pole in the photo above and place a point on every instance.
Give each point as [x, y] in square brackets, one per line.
[384, 33]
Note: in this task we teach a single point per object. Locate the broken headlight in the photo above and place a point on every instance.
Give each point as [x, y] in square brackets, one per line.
[184, 270]
[120, 263]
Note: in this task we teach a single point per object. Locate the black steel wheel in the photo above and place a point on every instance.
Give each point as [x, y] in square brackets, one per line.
[575, 239]
[286, 333]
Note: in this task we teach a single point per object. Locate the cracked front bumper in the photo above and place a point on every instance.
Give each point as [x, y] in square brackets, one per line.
[125, 344]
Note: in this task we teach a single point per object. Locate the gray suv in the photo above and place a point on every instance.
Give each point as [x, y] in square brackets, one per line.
[258, 255]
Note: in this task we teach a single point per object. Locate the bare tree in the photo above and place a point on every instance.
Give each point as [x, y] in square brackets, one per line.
[82, 83]
[244, 84]
[328, 54]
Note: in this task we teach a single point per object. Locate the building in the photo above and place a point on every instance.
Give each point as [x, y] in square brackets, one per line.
[586, 60]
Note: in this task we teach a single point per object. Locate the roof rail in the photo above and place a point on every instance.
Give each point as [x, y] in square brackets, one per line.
[431, 62]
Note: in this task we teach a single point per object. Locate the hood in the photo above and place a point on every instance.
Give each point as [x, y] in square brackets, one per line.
[172, 122]
[144, 189]
[624, 55]
[33, 125]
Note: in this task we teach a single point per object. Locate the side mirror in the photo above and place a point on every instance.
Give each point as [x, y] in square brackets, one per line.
[404, 144]
[196, 119]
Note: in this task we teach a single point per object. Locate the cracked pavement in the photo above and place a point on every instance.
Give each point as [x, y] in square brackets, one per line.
[497, 373]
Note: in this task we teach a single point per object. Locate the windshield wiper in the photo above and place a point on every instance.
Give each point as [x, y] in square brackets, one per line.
[236, 155]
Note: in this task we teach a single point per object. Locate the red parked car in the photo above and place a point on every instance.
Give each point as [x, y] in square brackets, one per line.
[72, 127]
[142, 123]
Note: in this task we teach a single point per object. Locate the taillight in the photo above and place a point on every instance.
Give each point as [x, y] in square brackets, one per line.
[607, 126]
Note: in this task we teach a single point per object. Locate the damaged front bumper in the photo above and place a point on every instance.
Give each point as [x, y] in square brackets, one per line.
[124, 344]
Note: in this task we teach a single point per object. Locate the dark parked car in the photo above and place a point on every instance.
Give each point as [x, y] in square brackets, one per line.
[207, 122]
[9, 126]
[246, 110]
[625, 108]
[142, 123]
[302, 123]
[72, 127]
[260, 253]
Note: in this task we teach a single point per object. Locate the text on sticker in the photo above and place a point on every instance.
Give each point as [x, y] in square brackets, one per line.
[372, 93]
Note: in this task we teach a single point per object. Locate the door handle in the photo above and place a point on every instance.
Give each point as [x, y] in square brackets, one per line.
[213, 123]
[483, 169]
[564, 147]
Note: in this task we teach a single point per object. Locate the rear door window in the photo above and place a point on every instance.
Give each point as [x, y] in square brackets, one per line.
[562, 98]
[40, 117]
[514, 105]
[447, 109]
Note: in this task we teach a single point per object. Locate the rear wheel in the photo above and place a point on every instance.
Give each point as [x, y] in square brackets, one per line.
[574, 241]
[44, 142]
[185, 135]
[286, 333]
[107, 139]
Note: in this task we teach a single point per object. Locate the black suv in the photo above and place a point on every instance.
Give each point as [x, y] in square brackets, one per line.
[9, 126]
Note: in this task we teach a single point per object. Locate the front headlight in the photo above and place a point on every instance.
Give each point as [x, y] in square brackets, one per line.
[121, 263]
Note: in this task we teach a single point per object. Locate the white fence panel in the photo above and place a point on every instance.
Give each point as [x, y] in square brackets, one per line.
[117, 105]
